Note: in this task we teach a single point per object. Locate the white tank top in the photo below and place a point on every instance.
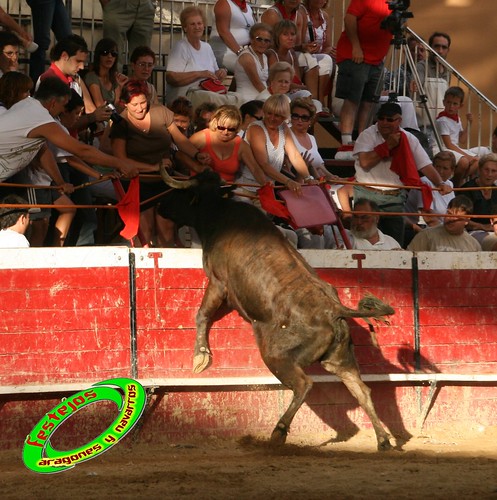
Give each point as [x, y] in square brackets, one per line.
[240, 24]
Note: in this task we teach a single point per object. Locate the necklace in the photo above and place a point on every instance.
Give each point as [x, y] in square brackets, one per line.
[258, 58]
[242, 5]
[137, 123]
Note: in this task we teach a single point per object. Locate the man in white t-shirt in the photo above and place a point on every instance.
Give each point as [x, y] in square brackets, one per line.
[364, 228]
[26, 126]
[14, 223]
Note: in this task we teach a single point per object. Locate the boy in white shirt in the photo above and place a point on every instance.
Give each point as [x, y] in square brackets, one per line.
[14, 222]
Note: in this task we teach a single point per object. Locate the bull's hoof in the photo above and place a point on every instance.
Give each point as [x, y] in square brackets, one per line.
[278, 437]
[384, 445]
[202, 360]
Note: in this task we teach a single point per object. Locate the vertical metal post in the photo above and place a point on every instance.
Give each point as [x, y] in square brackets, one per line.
[132, 316]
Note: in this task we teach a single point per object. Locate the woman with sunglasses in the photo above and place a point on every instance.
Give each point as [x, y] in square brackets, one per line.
[227, 150]
[251, 68]
[303, 113]
[105, 82]
[283, 50]
[270, 140]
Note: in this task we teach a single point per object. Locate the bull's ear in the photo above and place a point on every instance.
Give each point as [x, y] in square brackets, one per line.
[174, 183]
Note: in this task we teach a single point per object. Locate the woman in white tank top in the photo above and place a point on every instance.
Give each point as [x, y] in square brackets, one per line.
[251, 68]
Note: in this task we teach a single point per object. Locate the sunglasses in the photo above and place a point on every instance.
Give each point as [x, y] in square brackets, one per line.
[304, 118]
[113, 53]
[264, 40]
[259, 118]
[388, 119]
[229, 129]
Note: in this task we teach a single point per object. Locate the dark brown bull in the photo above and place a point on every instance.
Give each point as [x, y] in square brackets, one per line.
[297, 318]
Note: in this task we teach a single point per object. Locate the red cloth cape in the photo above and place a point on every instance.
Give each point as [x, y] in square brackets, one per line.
[404, 166]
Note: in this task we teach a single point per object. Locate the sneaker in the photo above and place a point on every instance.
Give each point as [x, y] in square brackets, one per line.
[32, 47]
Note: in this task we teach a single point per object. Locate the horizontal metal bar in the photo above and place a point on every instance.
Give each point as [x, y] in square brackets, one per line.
[265, 381]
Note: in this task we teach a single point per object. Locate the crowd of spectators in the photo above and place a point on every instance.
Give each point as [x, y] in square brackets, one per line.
[73, 132]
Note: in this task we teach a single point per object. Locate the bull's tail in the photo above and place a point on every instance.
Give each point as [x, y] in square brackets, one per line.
[370, 307]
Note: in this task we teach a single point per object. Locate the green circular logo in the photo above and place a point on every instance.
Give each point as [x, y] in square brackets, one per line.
[130, 398]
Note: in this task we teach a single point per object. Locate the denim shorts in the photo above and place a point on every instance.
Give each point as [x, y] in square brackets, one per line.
[358, 82]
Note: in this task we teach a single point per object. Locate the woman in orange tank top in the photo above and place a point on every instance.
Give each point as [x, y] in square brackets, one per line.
[226, 148]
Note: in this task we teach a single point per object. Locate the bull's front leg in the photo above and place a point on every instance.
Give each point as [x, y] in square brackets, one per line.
[214, 296]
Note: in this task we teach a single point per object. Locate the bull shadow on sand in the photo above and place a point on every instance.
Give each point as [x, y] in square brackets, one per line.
[332, 402]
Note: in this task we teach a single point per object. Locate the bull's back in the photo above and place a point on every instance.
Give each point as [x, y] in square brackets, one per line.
[263, 274]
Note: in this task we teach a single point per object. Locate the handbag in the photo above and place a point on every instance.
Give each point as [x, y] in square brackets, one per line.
[213, 86]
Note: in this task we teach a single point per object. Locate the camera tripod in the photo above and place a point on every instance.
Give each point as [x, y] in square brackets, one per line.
[401, 75]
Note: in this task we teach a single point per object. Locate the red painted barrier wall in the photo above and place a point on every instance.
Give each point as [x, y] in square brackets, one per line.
[65, 318]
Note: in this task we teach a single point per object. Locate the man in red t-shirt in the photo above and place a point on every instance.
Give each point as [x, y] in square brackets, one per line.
[361, 50]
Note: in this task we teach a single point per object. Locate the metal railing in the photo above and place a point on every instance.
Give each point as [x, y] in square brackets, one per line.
[87, 21]
[475, 102]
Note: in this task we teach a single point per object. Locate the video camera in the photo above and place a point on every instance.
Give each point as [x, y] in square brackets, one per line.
[396, 20]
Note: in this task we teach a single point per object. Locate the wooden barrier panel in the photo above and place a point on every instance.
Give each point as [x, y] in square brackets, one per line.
[64, 315]
[70, 316]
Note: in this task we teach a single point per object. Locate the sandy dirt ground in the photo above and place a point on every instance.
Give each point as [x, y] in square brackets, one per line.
[435, 466]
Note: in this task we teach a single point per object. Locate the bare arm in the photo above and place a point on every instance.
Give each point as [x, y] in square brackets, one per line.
[10, 23]
[369, 159]
[344, 194]
[248, 64]
[295, 157]
[431, 172]
[48, 163]
[54, 133]
[78, 164]
[89, 104]
[96, 94]
[246, 157]
[180, 79]
[327, 47]
[120, 153]
[188, 146]
[272, 57]
[222, 13]
[270, 17]
[257, 142]
[350, 23]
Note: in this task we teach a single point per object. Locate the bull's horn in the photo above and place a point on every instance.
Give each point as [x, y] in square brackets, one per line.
[175, 183]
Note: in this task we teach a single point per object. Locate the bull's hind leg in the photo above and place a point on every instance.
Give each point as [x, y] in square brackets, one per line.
[213, 298]
[293, 377]
[341, 361]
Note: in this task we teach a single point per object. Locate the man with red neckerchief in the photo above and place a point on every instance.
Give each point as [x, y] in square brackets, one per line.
[68, 58]
[387, 154]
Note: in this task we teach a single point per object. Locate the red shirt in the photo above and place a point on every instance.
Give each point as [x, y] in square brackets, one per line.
[374, 41]
[54, 71]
